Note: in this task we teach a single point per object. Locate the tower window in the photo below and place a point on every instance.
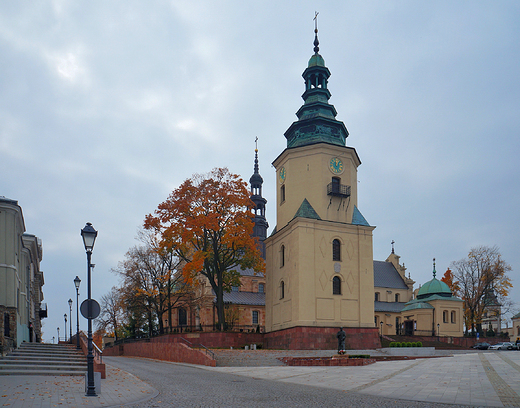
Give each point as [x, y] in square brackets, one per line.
[255, 316]
[282, 194]
[336, 285]
[261, 288]
[453, 320]
[377, 296]
[336, 250]
[397, 297]
[336, 182]
[445, 316]
[282, 289]
[282, 256]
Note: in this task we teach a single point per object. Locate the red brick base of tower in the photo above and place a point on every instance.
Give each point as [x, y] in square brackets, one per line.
[322, 338]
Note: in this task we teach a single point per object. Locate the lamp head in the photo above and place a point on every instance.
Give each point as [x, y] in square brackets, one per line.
[65, 316]
[89, 235]
[70, 302]
[77, 281]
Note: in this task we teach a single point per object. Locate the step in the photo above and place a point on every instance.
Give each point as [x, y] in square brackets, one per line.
[42, 372]
[22, 362]
[37, 359]
[28, 367]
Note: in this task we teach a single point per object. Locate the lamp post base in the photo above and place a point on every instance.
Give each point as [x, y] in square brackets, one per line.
[97, 385]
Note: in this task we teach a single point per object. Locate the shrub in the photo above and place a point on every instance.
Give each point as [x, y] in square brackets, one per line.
[392, 344]
[419, 344]
[398, 344]
[409, 344]
[414, 344]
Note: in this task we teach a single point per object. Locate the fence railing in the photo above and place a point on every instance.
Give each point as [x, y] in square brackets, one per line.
[208, 351]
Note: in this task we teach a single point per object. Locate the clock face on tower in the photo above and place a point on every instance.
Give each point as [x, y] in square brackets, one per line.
[281, 175]
[336, 165]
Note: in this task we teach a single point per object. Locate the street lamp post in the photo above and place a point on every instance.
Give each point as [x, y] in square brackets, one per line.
[381, 324]
[65, 331]
[77, 281]
[89, 235]
[70, 317]
[438, 331]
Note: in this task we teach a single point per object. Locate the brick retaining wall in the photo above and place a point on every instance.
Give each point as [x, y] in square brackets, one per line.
[322, 338]
[168, 351]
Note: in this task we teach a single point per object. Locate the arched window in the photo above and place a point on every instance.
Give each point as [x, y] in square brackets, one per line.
[282, 256]
[282, 193]
[282, 289]
[336, 285]
[183, 318]
[445, 316]
[336, 250]
[255, 316]
[397, 297]
[377, 296]
[453, 316]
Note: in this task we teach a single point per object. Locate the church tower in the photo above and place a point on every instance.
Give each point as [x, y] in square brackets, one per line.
[261, 225]
[319, 256]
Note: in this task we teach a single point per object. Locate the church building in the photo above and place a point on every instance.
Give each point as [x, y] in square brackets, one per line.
[319, 262]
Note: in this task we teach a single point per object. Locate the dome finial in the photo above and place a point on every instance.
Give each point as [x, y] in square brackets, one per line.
[256, 169]
[434, 271]
[393, 242]
[316, 42]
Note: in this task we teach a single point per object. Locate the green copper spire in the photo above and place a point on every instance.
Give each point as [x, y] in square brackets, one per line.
[316, 118]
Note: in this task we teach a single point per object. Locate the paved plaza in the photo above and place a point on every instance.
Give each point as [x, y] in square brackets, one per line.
[471, 378]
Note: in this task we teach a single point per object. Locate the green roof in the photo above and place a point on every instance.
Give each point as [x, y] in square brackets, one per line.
[434, 287]
[306, 211]
[358, 219]
[316, 60]
[416, 305]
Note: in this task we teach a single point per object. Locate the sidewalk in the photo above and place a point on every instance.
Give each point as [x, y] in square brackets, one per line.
[25, 391]
[468, 378]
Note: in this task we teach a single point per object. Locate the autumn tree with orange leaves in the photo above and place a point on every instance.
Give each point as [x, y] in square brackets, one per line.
[449, 280]
[207, 222]
[484, 282]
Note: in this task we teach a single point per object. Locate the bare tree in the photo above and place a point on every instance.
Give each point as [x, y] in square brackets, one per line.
[483, 281]
[111, 316]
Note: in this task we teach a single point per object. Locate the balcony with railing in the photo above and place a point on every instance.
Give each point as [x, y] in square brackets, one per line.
[338, 190]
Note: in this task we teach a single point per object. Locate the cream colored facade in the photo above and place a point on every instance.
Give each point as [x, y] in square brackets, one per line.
[21, 279]
[299, 255]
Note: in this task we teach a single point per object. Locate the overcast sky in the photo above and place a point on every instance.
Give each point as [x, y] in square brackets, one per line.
[106, 107]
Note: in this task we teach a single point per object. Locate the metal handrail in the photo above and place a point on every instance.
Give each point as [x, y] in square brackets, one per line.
[98, 352]
[200, 345]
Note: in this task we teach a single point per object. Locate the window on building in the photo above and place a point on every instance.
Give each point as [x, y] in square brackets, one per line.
[255, 316]
[336, 285]
[377, 297]
[7, 328]
[235, 288]
[453, 316]
[282, 193]
[261, 288]
[397, 297]
[336, 250]
[183, 317]
[445, 316]
[282, 289]
[282, 256]
[375, 321]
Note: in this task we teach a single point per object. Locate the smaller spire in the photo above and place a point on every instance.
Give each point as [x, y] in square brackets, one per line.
[434, 271]
[316, 42]
[393, 242]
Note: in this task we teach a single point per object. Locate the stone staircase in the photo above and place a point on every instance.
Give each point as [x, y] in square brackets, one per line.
[44, 359]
